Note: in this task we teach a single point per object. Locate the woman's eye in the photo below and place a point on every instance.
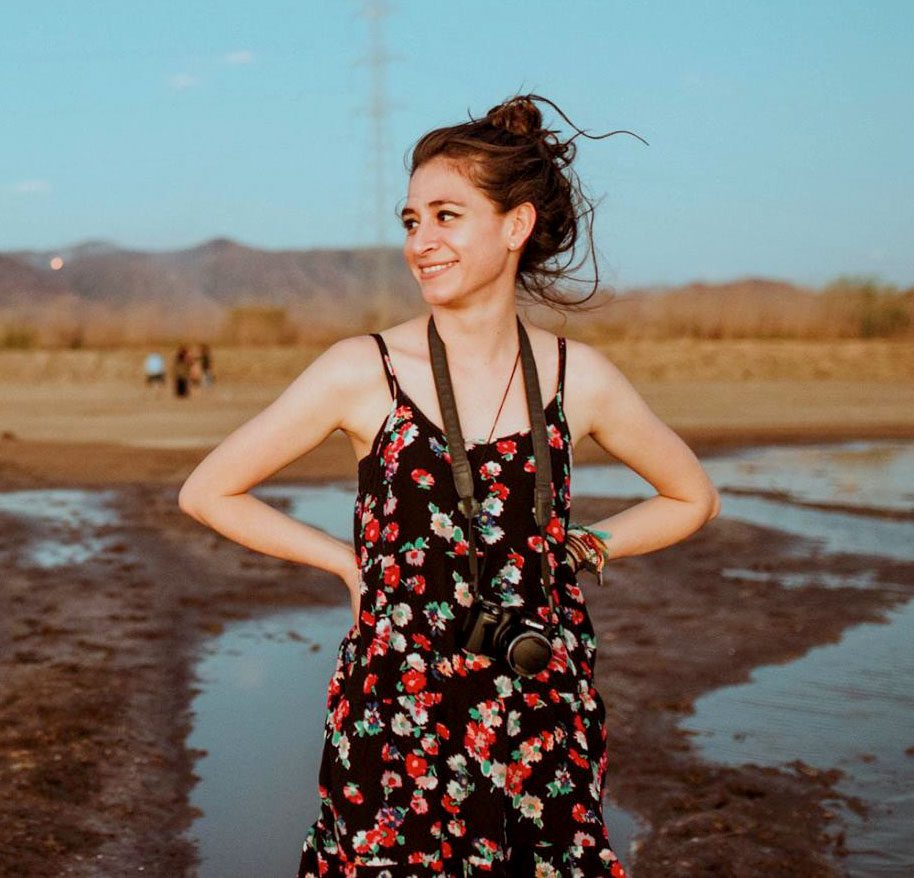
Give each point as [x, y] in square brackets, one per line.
[409, 224]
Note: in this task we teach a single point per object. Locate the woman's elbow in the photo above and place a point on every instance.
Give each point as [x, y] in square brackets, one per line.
[713, 509]
[189, 501]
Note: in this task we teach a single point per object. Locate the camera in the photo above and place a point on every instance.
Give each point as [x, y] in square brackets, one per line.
[505, 633]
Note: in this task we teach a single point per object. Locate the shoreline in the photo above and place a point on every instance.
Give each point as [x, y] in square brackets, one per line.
[99, 668]
[37, 462]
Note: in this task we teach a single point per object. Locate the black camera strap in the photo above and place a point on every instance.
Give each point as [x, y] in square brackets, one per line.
[460, 465]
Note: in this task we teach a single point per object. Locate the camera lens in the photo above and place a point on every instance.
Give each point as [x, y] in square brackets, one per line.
[529, 653]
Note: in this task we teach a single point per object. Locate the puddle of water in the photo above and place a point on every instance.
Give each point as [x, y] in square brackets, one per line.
[330, 507]
[848, 705]
[827, 708]
[260, 716]
[865, 579]
[64, 520]
[810, 473]
[874, 474]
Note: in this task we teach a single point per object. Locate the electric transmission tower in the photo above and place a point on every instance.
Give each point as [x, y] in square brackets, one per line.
[375, 11]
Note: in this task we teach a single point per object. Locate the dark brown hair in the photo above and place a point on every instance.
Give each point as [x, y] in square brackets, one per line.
[512, 159]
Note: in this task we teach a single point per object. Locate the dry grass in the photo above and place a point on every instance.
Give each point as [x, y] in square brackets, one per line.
[669, 360]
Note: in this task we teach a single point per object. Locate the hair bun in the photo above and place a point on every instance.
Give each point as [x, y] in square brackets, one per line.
[519, 115]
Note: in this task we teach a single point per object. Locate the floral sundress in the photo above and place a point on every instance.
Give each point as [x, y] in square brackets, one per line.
[438, 761]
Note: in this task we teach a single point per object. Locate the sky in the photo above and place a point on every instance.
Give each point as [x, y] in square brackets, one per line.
[780, 133]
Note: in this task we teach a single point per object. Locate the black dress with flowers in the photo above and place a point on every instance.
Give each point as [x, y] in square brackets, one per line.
[439, 761]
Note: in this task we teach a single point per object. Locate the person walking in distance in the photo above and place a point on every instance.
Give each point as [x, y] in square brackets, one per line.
[464, 733]
[182, 371]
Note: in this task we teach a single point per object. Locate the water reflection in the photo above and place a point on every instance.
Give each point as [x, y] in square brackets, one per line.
[845, 473]
[63, 523]
[848, 705]
[260, 716]
[835, 707]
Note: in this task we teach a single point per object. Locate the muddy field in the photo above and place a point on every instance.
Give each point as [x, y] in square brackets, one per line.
[97, 658]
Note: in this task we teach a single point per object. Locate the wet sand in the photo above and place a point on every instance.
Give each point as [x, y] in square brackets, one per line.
[97, 661]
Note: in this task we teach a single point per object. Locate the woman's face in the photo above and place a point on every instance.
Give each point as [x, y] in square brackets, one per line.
[456, 242]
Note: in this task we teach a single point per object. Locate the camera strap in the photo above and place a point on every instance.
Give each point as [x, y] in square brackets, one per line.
[460, 465]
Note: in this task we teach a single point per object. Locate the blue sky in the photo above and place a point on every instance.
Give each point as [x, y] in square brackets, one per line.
[781, 133]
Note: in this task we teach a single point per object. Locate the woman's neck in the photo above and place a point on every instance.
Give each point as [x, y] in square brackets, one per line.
[479, 336]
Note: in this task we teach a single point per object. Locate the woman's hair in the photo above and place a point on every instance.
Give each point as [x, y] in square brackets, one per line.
[512, 159]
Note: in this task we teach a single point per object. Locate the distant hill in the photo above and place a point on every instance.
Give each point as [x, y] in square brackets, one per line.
[135, 295]
[222, 290]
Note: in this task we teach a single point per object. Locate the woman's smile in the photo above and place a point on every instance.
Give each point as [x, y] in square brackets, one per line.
[428, 271]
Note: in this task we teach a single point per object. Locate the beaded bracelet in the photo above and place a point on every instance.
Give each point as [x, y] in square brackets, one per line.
[587, 547]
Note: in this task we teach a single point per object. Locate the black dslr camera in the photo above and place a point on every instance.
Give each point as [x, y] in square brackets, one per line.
[523, 641]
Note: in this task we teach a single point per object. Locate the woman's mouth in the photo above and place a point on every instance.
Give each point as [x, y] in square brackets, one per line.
[435, 270]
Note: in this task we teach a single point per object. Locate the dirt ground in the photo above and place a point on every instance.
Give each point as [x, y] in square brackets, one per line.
[97, 658]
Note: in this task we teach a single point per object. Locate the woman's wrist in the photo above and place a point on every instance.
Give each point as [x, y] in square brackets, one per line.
[587, 550]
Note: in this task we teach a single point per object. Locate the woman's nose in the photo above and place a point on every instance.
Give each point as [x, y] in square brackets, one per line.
[423, 240]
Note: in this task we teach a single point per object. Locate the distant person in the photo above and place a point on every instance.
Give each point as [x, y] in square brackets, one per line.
[154, 370]
[196, 368]
[462, 706]
[182, 372]
[206, 364]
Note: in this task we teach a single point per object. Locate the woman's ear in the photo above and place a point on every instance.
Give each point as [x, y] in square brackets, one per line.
[523, 220]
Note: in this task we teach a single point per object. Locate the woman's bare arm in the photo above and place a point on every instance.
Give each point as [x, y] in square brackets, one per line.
[620, 421]
[319, 401]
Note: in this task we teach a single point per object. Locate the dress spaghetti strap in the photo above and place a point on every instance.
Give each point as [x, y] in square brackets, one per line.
[388, 368]
[560, 387]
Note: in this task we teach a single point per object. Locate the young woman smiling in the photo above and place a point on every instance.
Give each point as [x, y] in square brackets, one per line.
[438, 760]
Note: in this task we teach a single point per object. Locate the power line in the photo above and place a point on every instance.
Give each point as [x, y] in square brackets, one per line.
[375, 11]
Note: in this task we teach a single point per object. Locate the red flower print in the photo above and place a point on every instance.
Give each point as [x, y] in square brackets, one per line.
[416, 766]
[449, 804]
[536, 543]
[372, 531]
[555, 528]
[392, 574]
[579, 813]
[530, 465]
[413, 681]
[422, 641]
[382, 835]
[462, 547]
[515, 775]
[616, 870]
[478, 739]
[506, 446]
[370, 680]
[499, 490]
[353, 794]
[516, 559]
[555, 437]
[391, 531]
[423, 478]
[577, 758]
[442, 731]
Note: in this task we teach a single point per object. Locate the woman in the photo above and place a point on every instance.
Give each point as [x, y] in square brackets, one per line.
[437, 760]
